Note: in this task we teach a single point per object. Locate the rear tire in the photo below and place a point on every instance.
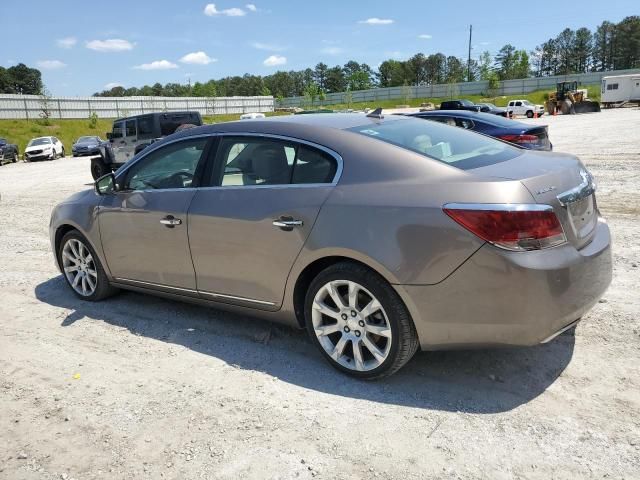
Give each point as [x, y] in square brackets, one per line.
[98, 168]
[15, 157]
[81, 265]
[373, 319]
[62, 155]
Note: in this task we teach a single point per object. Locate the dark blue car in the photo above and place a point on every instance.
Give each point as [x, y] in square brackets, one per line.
[533, 137]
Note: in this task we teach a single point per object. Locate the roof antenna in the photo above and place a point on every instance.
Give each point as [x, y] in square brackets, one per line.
[377, 113]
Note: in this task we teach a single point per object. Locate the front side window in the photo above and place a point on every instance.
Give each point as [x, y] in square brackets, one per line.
[172, 166]
[454, 146]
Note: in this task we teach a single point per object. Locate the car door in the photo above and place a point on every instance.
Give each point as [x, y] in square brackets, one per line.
[247, 229]
[117, 142]
[130, 139]
[143, 225]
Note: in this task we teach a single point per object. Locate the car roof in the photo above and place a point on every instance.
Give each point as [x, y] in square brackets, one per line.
[178, 112]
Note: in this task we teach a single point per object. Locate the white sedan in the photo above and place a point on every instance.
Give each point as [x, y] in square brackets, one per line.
[43, 148]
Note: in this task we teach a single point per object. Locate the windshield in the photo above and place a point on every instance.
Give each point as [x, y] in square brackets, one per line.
[2, 141]
[87, 139]
[452, 145]
[491, 105]
[467, 103]
[39, 141]
[526, 102]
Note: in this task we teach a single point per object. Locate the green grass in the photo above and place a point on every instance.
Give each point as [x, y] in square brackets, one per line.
[21, 131]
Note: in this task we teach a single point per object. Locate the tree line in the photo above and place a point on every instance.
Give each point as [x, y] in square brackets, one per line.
[612, 46]
[21, 79]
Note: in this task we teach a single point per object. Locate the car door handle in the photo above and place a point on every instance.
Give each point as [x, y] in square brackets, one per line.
[170, 221]
[287, 224]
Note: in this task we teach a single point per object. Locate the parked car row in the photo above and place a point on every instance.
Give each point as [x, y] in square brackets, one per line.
[514, 107]
[532, 137]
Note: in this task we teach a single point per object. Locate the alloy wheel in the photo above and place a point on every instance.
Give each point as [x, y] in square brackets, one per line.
[351, 325]
[79, 267]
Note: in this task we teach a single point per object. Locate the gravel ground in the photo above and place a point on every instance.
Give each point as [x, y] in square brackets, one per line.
[139, 387]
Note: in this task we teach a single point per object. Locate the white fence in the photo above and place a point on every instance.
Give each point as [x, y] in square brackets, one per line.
[450, 90]
[32, 106]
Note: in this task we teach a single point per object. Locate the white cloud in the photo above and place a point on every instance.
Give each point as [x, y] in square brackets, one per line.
[211, 11]
[157, 65]
[111, 85]
[197, 58]
[50, 64]
[425, 36]
[67, 42]
[110, 45]
[275, 60]
[377, 21]
[251, 7]
[332, 50]
[268, 46]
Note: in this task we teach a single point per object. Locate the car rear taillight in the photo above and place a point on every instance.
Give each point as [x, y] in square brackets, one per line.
[514, 227]
[520, 139]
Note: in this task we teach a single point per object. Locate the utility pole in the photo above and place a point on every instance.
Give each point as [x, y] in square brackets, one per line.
[469, 57]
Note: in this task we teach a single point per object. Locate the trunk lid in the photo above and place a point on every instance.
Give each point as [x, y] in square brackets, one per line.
[558, 180]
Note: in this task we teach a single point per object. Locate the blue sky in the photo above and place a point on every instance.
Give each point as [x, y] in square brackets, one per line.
[81, 47]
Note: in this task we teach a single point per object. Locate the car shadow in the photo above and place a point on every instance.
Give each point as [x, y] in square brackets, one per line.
[478, 381]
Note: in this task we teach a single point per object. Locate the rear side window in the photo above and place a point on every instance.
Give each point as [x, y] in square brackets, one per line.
[145, 125]
[455, 146]
[256, 161]
[170, 121]
[313, 166]
[118, 130]
[130, 128]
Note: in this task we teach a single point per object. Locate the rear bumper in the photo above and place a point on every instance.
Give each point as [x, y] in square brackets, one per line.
[511, 298]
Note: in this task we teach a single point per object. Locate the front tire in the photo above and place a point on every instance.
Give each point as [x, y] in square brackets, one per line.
[98, 168]
[529, 114]
[82, 269]
[359, 322]
[62, 155]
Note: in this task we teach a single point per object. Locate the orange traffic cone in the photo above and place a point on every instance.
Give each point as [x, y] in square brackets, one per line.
[535, 114]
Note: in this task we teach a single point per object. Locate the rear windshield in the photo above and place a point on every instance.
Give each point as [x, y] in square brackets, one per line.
[170, 121]
[452, 145]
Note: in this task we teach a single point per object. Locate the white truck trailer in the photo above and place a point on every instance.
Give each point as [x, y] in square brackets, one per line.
[619, 90]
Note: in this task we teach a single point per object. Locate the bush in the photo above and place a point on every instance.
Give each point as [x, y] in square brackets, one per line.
[93, 120]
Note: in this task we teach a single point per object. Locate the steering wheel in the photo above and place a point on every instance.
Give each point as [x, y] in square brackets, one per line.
[180, 177]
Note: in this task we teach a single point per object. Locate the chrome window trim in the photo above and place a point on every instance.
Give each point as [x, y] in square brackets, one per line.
[337, 157]
[202, 292]
[121, 172]
[502, 207]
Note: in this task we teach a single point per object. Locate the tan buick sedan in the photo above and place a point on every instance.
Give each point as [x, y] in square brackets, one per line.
[379, 235]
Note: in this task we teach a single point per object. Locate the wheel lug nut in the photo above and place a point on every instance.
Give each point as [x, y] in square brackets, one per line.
[353, 313]
[347, 329]
[357, 333]
[361, 323]
[344, 316]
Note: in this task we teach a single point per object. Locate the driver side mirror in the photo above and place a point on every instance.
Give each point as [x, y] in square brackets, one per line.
[108, 134]
[106, 184]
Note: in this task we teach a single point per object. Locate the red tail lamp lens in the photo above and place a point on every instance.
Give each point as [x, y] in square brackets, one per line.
[513, 228]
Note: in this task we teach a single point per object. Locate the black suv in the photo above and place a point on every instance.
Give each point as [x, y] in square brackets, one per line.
[459, 105]
[131, 135]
